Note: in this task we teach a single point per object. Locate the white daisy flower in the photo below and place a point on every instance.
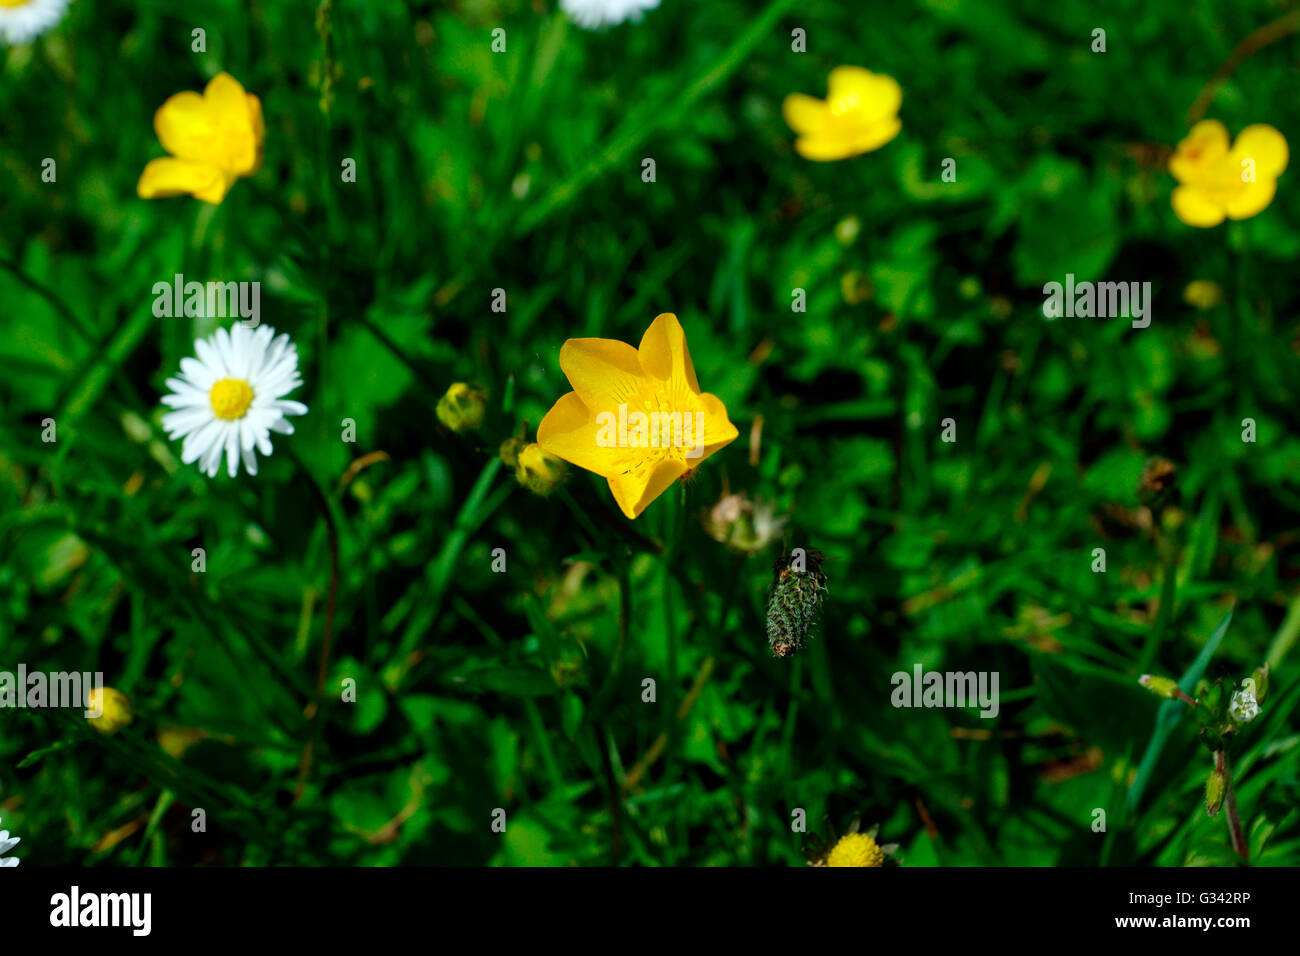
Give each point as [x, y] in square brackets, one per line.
[7, 844]
[590, 14]
[22, 20]
[232, 397]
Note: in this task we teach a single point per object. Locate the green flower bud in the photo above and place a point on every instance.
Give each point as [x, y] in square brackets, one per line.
[1260, 677]
[1216, 785]
[511, 447]
[539, 471]
[463, 407]
[1165, 687]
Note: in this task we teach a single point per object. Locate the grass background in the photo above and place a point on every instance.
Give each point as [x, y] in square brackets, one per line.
[521, 171]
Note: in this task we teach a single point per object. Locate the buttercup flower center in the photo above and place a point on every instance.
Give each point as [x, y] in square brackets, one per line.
[230, 398]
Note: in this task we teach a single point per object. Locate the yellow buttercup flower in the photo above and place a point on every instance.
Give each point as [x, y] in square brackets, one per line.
[636, 416]
[859, 114]
[1218, 181]
[114, 709]
[214, 138]
[856, 849]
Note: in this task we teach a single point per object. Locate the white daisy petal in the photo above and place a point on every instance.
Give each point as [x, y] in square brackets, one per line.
[198, 442]
[232, 450]
[207, 353]
[590, 14]
[22, 23]
[287, 407]
[198, 374]
[7, 844]
[221, 341]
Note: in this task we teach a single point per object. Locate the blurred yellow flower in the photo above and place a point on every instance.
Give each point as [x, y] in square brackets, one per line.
[214, 138]
[176, 740]
[859, 114]
[1218, 182]
[856, 849]
[636, 416]
[1202, 294]
[114, 709]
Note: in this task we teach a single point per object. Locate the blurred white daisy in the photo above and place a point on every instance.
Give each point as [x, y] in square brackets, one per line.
[590, 14]
[7, 844]
[22, 20]
[231, 398]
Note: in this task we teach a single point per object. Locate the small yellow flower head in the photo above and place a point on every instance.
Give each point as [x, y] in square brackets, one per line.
[113, 707]
[462, 408]
[636, 416]
[1202, 294]
[214, 138]
[538, 470]
[1219, 182]
[860, 114]
[856, 849]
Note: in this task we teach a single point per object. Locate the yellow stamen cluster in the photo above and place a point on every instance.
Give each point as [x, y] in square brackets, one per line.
[856, 849]
[230, 398]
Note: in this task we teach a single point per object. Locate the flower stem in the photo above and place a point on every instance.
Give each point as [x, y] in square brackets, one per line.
[1230, 805]
[1243, 51]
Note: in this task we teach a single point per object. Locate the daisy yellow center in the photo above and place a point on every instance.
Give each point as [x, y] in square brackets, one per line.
[856, 849]
[14, 3]
[230, 398]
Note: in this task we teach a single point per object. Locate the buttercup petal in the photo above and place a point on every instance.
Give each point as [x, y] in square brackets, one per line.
[179, 177]
[877, 96]
[664, 356]
[569, 431]
[604, 372]
[805, 114]
[1193, 207]
[1207, 143]
[719, 432]
[1253, 199]
[187, 127]
[876, 135]
[230, 106]
[823, 149]
[1266, 146]
[634, 494]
